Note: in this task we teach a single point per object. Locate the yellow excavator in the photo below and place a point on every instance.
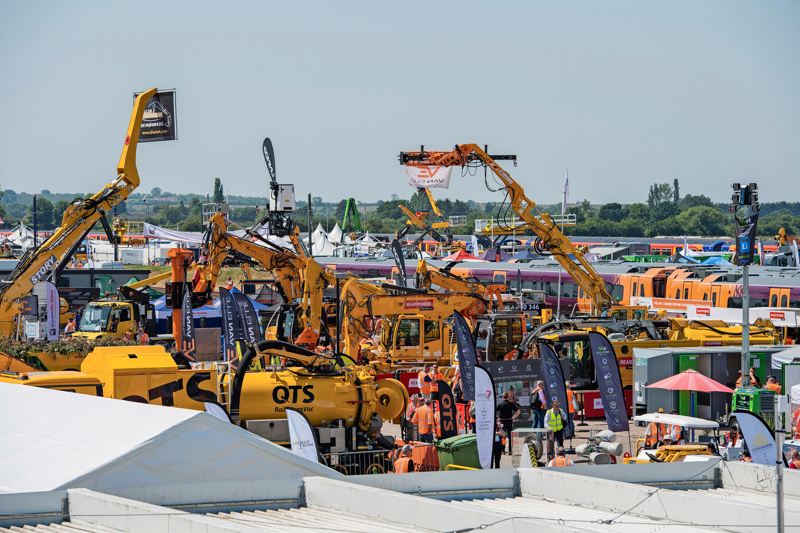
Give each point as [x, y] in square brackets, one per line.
[78, 219]
[428, 276]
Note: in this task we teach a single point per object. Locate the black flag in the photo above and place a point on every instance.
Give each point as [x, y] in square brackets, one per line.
[467, 358]
[159, 119]
[609, 382]
[554, 383]
[447, 411]
[745, 239]
[248, 318]
[230, 324]
[269, 157]
[188, 346]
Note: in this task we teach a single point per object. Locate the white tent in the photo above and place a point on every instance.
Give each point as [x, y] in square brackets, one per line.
[367, 239]
[336, 235]
[323, 247]
[22, 236]
[55, 440]
[790, 355]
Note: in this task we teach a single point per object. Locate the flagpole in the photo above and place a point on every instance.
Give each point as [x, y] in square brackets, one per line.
[563, 211]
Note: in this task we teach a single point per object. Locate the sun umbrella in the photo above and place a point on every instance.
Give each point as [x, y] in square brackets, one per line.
[690, 380]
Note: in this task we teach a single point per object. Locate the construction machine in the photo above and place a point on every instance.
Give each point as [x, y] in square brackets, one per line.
[78, 219]
[413, 325]
[428, 276]
[550, 239]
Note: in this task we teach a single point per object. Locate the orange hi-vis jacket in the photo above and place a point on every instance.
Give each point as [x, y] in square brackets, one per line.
[401, 465]
[438, 425]
[423, 418]
[424, 386]
[559, 461]
[774, 387]
[655, 432]
[570, 402]
[435, 376]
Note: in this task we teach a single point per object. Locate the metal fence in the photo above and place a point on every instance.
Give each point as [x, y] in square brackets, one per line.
[424, 458]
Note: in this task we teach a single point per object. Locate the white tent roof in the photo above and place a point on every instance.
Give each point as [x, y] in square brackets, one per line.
[367, 239]
[21, 236]
[336, 234]
[323, 247]
[54, 440]
[319, 232]
[787, 356]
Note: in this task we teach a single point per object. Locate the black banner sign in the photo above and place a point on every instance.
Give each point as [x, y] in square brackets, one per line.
[188, 346]
[745, 239]
[269, 158]
[230, 324]
[248, 318]
[158, 122]
[520, 370]
[467, 358]
[29, 305]
[447, 411]
[554, 383]
[609, 382]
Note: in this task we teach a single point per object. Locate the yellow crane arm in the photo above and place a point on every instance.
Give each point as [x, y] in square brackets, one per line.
[78, 219]
[152, 280]
[441, 223]
[552, 238]
[429, 275]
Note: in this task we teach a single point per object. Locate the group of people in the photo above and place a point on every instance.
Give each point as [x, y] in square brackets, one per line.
[424, 421]
[659, 434]
[539, 410]
[772, 382]
[139, 336]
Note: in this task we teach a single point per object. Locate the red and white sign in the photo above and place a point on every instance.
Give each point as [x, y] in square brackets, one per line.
[431, 177]
[625, 361]
[418, 304]
[712, 343]
[703, 311]
[777, 315]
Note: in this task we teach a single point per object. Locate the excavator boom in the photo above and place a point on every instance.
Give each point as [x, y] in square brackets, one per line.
[78, 219]
[542, 224]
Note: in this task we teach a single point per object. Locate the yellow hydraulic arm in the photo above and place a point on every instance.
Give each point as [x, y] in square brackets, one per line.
[551, 237]
[78, 219]
[429, 275]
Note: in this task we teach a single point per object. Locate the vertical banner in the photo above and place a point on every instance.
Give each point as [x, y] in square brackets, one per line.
[230, 324]
[430, 177]
[53, 311]
[188, 346]
[447, 411]
[745, 239]
[758, 437]
[467, 358]
[248, 318]
[609, 382]
[269, 158]
[301, 435]
[554, 383]
[485, 416]
[158, 121]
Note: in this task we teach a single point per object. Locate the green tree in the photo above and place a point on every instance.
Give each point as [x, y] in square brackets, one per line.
[243, 215]
[155, 192]
[663, 211]
[192, 223]
[390, 210]
[703, 221]
[659, 193]
[339, 215]
[195, 207]
[489, 208]
[58, 210]
[676, 191]
[219, 193]
[638, 212]
[122, 208]
[613, 212]
[696, 201]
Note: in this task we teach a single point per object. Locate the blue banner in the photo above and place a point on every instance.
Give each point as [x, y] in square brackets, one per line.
[230, 324]
[467, 358]
[609, 382]
[555, 387]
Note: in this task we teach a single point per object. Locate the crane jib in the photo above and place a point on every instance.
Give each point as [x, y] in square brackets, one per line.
[43, 270]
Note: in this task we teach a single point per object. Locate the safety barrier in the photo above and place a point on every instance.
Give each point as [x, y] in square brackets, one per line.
[424, 457]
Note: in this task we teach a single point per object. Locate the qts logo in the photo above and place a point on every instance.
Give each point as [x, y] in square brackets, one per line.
[281, 394]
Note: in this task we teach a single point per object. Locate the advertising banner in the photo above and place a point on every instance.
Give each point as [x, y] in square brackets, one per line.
[758, 437]
[301, 435]
[430, 177]
[230, 325]
[158, 122]
[467, 358]
[485, 406]
[554, 383]
[447, 411]
[29, 305]
[745, 239]
[248, 318]
[609, 382]
[53, 311]
[188, 346]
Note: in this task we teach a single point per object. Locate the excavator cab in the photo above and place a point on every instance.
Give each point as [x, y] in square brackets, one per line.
[416, 338]
[497, 334]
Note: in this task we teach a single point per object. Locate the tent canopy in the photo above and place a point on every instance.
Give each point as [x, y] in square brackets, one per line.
[680, 258]
[524, 254]
[494, 254]
[55, 440]
[460, 255]
[323, 247]
[336, 235]
[717, 261]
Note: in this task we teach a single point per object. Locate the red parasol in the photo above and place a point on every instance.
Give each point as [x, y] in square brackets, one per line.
[690, 380]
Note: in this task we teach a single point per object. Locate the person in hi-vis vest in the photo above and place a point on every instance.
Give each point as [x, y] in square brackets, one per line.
[555, 421]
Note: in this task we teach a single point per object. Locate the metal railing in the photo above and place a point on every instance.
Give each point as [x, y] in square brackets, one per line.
[424, 457]
[486, 225]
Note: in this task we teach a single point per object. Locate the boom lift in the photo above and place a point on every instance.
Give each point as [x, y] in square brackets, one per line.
[78, 220]
[550, 238]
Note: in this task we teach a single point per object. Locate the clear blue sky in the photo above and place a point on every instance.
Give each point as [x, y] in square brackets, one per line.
[623, 94]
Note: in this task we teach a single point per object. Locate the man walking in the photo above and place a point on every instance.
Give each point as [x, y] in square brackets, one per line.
[423, 419]
[424, 382]
[556, 420]
[507, 413]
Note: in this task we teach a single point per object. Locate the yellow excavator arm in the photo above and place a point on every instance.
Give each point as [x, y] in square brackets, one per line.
[429, 276]
[541, 223]
[78, 219]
